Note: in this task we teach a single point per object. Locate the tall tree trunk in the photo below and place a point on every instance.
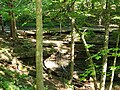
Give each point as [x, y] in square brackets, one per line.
[1, 23]
[13, 25]
[39, 46]
[114, 63]
[72, 50]
[12, 20]
[100, 17]
[72, 41]
[82, 34]
[105, 57]
[91, 61]
[1, 19]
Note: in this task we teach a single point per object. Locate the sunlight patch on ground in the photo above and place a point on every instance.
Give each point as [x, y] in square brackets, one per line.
[51, 64]
[12, 63]
[2, 40]
[5, 54]
[3, 57]
[2, 73]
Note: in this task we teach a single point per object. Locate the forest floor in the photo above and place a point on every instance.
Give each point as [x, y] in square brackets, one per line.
[17, 67]
[17, 73]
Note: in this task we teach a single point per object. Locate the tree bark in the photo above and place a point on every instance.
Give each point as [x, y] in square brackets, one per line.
[1, 23]
[72, 41]
[12, 20]
[1, 19]
[90, 62]
[105, 57]
[39, 46]
[114, 63]
[72, 51]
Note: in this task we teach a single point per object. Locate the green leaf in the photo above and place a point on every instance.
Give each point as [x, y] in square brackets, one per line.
[118, 54]
[97, 57]
[116, 17]
[89, 46]
[114, 54]
[112, 68]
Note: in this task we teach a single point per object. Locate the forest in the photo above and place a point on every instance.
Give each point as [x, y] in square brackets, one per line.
[59, 44]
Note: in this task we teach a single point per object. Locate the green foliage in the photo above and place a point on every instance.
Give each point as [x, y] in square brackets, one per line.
[89, 46]
[46, 88]
[3, 50]
[24, 47]
[116, 17]
[97, 57]
[10, 86]
[114, 54]
[90, 35]
[112, 68]
[54, 13]
[27, 46]
[22, 8]
[86, 74]
[13, 81]
[111, 52]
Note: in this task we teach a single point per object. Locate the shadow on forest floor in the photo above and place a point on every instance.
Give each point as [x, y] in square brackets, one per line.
[17, 64]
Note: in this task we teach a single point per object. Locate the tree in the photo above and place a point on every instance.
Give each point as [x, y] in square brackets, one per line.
[71, 9]
[113, 68]
[105, 57]
[91, 63]
[1, 23]
[1, 19]
[12, 19]
[39, 46]
[72, 49]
